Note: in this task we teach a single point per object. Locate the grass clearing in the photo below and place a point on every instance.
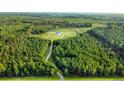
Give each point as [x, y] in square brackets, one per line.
[65, 32]
[95, 78]
[56, 78]
[29, 78]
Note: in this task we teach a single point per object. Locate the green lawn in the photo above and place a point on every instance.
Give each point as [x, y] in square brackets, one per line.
[95, 78]
[65, 32]
[66, 79]
[29, 78]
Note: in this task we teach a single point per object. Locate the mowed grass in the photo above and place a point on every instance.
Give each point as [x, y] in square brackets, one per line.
[94, 78]
[65, 32]
[29, 78]
[56, 78]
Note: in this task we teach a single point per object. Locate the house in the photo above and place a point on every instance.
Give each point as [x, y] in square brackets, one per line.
[58, 33]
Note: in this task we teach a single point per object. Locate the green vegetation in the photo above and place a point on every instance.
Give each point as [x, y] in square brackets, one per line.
[95, 78]
[65, 33]
[84, 56]
[29, 78]
[81, 46]
[57, 78]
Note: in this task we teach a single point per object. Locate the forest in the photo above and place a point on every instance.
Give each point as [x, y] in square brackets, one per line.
[85, 45]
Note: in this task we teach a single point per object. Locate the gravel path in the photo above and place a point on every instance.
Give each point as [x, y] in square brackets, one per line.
[48, 56]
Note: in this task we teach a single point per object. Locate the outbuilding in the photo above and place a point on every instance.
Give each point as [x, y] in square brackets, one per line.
[58, 33]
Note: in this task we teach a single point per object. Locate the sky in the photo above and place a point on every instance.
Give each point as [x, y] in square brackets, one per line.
[97, 6]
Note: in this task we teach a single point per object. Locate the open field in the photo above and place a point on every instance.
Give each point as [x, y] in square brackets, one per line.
[65, 78]
[30, 78]
[65, 32]
[96, 78]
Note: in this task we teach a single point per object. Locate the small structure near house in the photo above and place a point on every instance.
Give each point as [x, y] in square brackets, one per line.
[58, 33]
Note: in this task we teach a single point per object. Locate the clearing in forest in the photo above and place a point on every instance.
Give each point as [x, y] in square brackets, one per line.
[64, 33]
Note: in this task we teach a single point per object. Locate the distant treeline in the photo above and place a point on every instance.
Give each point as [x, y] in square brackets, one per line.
[65, 24]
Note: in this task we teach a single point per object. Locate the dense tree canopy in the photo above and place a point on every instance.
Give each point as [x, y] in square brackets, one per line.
[84, 56]
[98, 51]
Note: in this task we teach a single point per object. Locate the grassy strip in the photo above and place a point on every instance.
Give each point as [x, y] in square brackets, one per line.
[29, 78]
[66, 79]
[95, 78]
